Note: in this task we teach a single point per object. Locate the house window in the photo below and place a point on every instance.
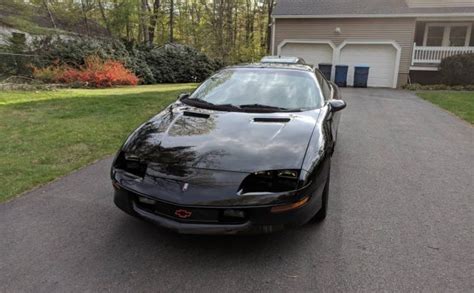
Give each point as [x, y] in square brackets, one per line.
[447, 34]
[458, 36]
[435, 36]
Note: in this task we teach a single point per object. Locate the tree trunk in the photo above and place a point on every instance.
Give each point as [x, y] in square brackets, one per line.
[104, 17]
[84, 13]
[248, 22]
[143, 18]
[171, 38]
[153, 21]
[45, 3]
[271, 3]
[127, 29]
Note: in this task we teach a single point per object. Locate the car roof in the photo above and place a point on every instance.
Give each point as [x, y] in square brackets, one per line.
[302, 67]
[283, 59]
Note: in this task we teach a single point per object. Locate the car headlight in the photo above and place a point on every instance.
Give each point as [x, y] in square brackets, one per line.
[270, 181]
[130, 164]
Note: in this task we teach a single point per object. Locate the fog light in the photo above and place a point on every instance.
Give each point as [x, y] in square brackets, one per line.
[289, 207]
[234, 214]
[146, 200]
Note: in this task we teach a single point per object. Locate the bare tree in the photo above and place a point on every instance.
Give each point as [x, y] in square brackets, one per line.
[144, 11]
[171, 36]
[271, 4]
[84, 14]
[249, 21]
[231, 30]
[153, 21]
[104, 17]
[46, 5]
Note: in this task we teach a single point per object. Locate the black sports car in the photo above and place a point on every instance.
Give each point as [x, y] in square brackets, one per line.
[249, 151]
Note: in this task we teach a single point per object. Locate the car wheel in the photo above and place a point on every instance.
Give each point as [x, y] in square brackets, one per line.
[321, 215]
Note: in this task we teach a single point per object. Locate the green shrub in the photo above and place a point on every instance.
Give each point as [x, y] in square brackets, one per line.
[13, 62]
[177, 63]
[167, 64]
[74, 52]
[96, 72]
[137, 63]
[413, 86]
[438, 87]
[48, 74]
[458, 70]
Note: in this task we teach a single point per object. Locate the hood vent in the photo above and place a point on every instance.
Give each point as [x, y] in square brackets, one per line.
[272, 120]
[195, 114]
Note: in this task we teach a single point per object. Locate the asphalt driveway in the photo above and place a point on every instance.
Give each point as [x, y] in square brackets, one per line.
[401, 219]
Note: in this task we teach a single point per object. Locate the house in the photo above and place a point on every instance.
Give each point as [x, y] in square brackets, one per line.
[401, 40]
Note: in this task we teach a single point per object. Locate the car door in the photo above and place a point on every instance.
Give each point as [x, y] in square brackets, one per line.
[335, 95]
[329, 92]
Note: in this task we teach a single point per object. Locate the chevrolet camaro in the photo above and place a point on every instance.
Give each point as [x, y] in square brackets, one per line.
[249, 151]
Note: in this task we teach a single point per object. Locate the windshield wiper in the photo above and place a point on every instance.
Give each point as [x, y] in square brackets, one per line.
[230, 107]
[196, 101]
[199, 101]
[260, 106]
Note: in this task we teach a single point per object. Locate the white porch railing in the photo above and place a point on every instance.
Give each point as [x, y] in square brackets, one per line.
[434, 55]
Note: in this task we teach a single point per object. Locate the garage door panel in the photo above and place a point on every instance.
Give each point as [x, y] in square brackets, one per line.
[380, 58]
[312, 53]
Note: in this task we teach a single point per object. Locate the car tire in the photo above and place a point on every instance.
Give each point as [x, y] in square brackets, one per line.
[322, 213]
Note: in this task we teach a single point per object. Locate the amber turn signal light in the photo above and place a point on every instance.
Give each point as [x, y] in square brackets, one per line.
[289, 207]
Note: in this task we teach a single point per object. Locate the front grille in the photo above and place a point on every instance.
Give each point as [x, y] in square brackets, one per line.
[196, 215]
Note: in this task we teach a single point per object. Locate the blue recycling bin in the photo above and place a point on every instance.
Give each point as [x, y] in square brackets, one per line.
[326, 70]
[361, 75]
[341, 75]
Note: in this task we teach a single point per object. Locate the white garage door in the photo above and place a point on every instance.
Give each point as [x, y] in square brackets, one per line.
[380, 58]
[312, 53]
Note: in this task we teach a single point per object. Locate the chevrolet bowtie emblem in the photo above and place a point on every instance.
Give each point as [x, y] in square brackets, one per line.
[183, 214]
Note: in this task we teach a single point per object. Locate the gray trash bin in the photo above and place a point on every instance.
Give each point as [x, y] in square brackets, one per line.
[341, 75]
[326, 70]
[361, 75]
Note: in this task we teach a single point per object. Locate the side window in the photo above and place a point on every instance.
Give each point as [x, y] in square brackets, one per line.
[325, 87]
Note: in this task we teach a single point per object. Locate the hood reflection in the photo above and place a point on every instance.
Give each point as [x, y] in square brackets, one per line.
[174, 143]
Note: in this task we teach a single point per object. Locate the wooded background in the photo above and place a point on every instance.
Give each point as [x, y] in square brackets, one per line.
[230, 30]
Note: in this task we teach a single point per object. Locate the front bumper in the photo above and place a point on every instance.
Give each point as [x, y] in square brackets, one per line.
[258, 219]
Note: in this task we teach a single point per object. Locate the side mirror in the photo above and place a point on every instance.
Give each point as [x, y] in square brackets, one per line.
[337, 105]
[183, 95]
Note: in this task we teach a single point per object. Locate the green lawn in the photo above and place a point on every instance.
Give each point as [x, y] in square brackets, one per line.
[47, 134]
[459, 103]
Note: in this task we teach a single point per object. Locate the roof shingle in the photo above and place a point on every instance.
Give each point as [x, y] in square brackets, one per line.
[346, 7]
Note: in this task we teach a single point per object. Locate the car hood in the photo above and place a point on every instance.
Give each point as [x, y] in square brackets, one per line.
[183, 137]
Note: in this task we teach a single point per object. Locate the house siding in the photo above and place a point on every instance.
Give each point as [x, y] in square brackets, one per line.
[401, 30]
[439, 3]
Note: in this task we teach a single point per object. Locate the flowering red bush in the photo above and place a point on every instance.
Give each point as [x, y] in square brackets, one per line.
[48, 74]
[94, 73]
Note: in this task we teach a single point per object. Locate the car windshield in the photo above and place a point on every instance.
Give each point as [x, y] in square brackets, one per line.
[260, 88]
